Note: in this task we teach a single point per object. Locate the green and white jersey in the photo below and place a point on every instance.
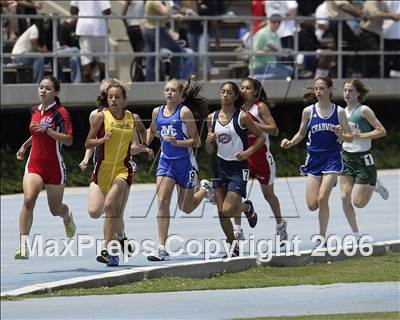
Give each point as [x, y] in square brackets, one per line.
[360, 125]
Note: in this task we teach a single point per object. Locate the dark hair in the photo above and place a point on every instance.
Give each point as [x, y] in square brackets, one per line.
[56, 84]
[101, 101]
[45, 29]
[260, 93]
[310, 97]
[361, 88]
[239, 100]
[192, 99]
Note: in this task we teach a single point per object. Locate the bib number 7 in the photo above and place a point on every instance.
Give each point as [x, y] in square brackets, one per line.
[246, 174]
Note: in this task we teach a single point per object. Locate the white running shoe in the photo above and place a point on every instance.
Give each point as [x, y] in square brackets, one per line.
[319, 245]
[161, 255]
[239, 234]
[207, 186]
[380, 188]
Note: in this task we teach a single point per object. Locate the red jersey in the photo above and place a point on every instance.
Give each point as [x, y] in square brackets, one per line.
[261, 163]
[45, 157]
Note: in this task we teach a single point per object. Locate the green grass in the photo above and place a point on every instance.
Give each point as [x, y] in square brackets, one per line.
[364, 269]
[348, 316]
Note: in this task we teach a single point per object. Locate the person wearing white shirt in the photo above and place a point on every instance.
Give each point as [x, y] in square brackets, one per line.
[322, 26]
[287, 29]
[27, 43]
[92, 34]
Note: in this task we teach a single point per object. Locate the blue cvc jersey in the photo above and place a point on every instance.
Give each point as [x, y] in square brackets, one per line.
[174, 126]
[321, 132]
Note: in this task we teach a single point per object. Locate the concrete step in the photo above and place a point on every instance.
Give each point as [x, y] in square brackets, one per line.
[221, 73]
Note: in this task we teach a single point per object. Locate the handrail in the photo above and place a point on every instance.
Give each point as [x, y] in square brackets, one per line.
[241, 19]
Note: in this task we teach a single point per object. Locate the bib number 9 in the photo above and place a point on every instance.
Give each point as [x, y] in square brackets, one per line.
[192, 175]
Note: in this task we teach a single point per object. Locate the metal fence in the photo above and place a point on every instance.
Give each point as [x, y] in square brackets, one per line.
[244, 54]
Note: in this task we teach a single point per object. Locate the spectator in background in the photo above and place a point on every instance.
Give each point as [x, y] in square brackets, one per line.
[309, 42]
[350, 11]
[198, 41]
[31, 41]
[371, 30]
[287, 28]
[162, 9]
[391, 34]
[307, 8]
[325, 38]
[322, 25]
[267, 40]
[27, 7]
[134, 29]
[11, 25]
[92, 34]
[68, 43]
[258, 10]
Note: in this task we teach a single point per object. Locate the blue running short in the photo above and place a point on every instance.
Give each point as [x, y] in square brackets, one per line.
[231, 175]
[318, 163]
[183, 171]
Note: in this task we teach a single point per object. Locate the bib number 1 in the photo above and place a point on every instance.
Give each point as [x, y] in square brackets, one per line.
[368, 159]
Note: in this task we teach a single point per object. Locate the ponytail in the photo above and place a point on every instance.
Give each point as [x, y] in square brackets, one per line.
[101, 101]
[194, 101]
[309, 97]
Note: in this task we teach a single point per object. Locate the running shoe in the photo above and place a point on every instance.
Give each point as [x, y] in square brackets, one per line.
[109, 260]
[239, 234]
[235, 254]
[207, 186]
[113, 261]
[281, 231]
[70, 227]
[318, 245]
[250, 214]
[161, 255]
[381, 189]
[19, 255]
[124, 242]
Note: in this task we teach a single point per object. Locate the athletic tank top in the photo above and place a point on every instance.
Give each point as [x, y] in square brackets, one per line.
[174, 126]
[321, 131]
[117, 149]
[255, 115]
[231, 138]
[360, 125]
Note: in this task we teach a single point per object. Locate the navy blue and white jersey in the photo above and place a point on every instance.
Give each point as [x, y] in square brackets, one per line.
[231, 138]
[174, 126]
[321, 131]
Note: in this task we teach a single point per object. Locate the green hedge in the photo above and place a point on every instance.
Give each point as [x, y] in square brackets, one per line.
[386, 153]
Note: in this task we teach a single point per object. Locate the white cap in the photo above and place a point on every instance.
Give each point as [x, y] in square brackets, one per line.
[273, 12]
